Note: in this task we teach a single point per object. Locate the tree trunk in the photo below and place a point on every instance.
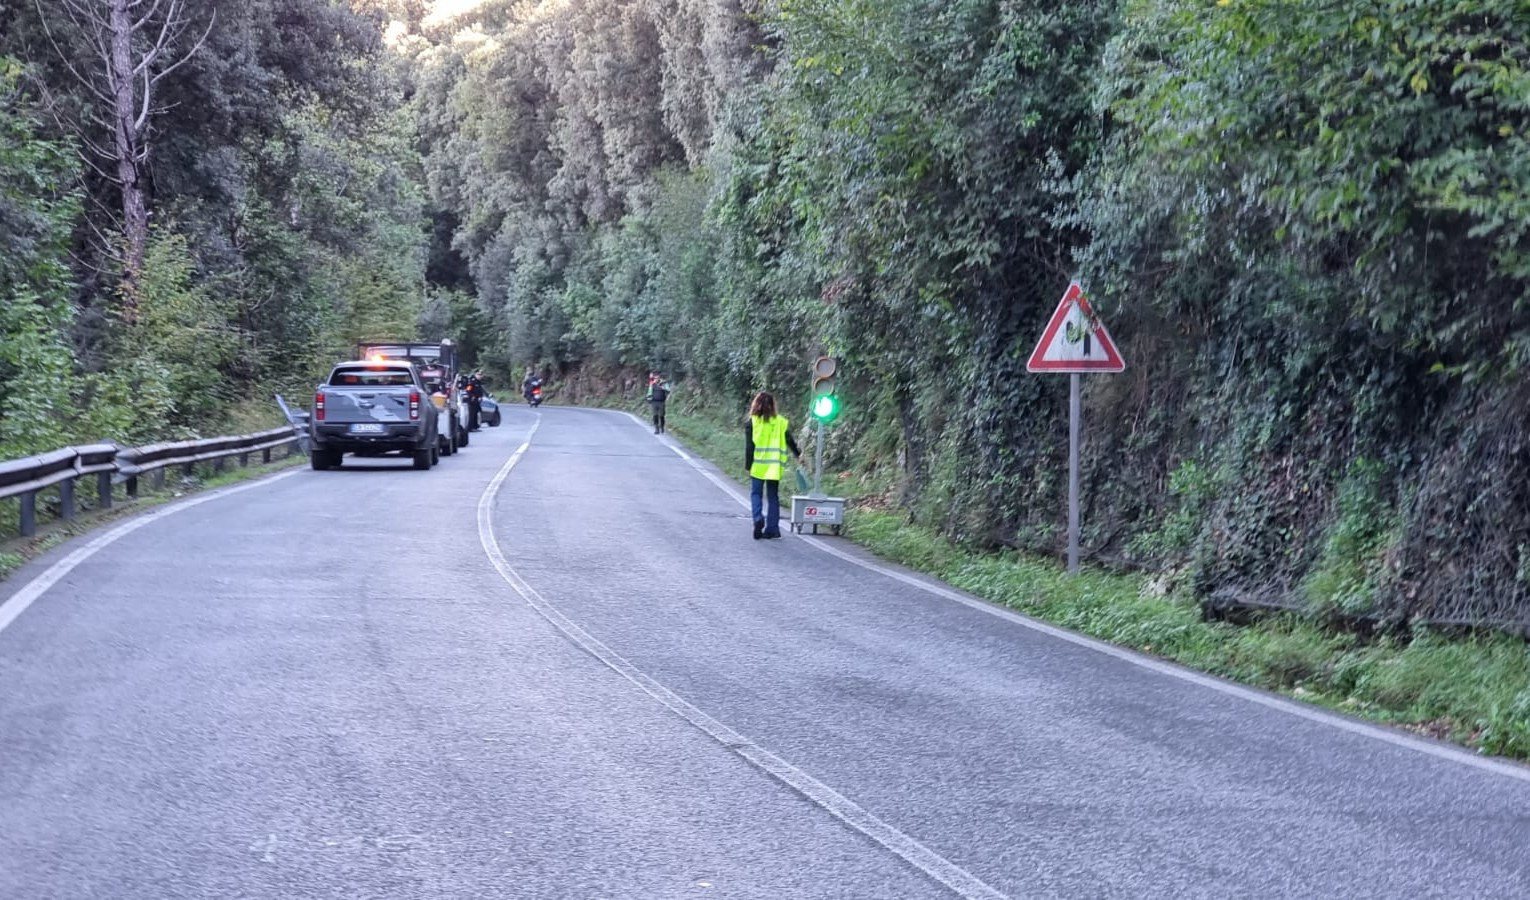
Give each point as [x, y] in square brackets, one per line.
[135, 206]
[915, 470]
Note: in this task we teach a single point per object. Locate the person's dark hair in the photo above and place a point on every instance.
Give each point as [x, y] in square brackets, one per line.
[764, 406]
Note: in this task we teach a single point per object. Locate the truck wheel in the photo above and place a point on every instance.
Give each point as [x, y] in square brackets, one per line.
[422, 458]
[444, 446]
[463, 438]
[435, 456]
[320, 460]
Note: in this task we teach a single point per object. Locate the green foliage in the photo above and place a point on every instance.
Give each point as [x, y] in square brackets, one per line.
[1346, 574]
[904, 543]
[10, 562]
[38, 206]
[1192, 487]
[1507, 729]
[178, 355]
[35, 374]
[907, 165]
[1371, 136]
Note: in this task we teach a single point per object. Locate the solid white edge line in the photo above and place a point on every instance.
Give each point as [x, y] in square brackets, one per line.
[24, 597]
[1311, 713]
[932, 864]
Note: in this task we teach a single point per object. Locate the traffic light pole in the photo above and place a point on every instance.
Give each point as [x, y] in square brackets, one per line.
[818, 463]
[1075, 413]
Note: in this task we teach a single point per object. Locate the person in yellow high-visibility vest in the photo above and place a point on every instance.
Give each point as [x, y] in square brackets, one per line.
[767, 438]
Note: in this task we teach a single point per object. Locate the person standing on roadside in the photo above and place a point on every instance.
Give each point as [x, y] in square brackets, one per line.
[658, 393]
[767, 437]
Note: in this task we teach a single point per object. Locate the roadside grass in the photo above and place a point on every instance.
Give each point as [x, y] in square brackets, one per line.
[17, 551]
[1472, 689]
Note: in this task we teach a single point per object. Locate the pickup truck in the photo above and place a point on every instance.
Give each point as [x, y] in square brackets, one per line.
[372, 407]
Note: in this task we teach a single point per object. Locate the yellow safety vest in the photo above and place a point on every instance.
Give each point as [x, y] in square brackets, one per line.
[769, 448]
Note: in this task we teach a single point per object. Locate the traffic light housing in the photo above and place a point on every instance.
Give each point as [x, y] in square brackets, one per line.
[825, 403]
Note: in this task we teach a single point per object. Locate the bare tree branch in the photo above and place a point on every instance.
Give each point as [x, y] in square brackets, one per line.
[140, 124]
[85, 82]
[109, 246]
[143, 20]
[195, 48]
[169, 30]
[90, 151]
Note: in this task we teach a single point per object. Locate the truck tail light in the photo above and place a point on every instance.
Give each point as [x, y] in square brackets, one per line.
[414, 405]
[318, 407]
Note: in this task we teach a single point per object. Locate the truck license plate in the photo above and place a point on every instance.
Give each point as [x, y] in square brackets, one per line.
[369, 428]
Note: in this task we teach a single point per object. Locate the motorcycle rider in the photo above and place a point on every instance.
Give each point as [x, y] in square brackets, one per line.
[529, 387]
[473, 388]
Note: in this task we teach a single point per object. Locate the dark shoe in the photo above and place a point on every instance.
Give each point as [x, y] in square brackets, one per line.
[759, 528]
[772, 534]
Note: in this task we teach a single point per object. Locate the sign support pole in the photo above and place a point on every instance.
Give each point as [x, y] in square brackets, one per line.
[1075, 413]
[1075, 341]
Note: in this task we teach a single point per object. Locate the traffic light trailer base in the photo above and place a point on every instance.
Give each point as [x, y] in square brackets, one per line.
[816, 511]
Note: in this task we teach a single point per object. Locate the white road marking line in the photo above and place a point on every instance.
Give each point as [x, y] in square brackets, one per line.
[959, 880]
[1311, 713]
[23, 598]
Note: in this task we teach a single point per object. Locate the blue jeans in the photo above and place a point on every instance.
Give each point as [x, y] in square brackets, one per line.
[772, 504]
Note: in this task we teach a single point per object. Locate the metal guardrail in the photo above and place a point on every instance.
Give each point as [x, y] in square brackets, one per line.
[26, 478]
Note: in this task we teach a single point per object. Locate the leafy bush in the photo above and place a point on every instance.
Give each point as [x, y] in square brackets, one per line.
[38, 206]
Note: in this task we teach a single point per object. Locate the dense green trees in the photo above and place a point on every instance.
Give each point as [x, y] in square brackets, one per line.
[282, 200]
[1316, 212]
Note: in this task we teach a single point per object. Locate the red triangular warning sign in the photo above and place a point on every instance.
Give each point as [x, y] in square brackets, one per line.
[1075, 340]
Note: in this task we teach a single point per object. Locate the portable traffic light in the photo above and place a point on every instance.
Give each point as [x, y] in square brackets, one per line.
[825, 403]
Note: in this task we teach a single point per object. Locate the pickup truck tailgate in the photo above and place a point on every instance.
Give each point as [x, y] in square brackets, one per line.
[343, 406]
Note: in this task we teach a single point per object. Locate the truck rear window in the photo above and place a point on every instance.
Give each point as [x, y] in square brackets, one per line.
[370, 376]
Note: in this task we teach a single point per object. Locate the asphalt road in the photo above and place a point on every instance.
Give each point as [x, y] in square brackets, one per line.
[557, 666]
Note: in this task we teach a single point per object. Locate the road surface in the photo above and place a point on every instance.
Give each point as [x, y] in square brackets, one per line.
[558, 666]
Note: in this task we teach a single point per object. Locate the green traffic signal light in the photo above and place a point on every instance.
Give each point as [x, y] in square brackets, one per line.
[825, 408]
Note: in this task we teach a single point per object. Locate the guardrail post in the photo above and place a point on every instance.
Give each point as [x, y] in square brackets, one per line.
[189, 469]
[244, 460]
[29, 514]
[157, 479]
[218, 465]
[66, 499]
[104, 490]
[132, 487]
[265, 455]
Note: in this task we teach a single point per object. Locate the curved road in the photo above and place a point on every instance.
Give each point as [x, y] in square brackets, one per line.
[557, 666]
